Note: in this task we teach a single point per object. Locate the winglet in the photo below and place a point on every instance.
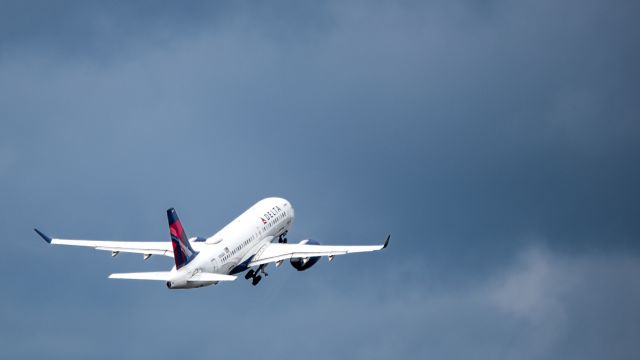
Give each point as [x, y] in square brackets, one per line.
[386, 242]
[42, 235]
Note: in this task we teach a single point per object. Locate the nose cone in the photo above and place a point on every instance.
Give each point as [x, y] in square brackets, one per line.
[292, 213]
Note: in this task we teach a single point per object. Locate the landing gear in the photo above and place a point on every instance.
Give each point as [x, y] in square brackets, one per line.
[260, 269]
[282, 238]
[249, 274]
[253, 274]
[256, 280]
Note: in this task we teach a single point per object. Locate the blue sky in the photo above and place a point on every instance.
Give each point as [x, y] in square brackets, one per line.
[496, 141]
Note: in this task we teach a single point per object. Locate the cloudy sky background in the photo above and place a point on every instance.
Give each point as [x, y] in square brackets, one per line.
[497, 141]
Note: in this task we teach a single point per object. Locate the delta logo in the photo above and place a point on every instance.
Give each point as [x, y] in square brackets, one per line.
[271, 214]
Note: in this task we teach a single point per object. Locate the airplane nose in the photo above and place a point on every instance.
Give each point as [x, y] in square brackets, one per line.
[291, 211]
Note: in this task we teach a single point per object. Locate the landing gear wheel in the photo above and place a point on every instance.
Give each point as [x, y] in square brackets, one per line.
[256, 280]
[282, 239]
[249, 274]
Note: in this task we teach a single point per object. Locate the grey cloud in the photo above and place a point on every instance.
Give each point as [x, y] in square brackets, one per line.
[543, 305]
[540, 305]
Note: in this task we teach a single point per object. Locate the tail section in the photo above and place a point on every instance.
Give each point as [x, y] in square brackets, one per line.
[183, 253]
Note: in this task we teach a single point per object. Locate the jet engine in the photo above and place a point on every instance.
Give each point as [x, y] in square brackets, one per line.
[302, 264]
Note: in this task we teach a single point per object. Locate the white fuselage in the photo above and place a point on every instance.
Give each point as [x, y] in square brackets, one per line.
[230, 249]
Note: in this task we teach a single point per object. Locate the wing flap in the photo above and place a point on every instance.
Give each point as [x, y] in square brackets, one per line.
[136, 247]
[136, 251]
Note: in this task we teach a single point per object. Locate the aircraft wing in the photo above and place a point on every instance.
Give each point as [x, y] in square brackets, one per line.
[139, 247]
[277, 252]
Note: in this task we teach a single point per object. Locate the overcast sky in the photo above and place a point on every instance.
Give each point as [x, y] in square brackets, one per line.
[496, 141]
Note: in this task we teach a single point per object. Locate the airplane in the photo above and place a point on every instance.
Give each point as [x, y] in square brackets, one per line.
[249, 243]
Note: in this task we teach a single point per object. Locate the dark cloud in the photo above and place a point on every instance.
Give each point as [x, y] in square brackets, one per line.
[470, 130]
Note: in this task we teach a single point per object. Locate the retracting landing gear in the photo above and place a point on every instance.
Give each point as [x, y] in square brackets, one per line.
[249, 274]
[255, 276]
[282, 238]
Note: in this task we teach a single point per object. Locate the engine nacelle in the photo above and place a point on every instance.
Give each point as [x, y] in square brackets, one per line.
[302, 264]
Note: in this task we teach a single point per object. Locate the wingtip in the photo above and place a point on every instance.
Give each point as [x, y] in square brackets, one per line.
[42, 235]
[386, 242]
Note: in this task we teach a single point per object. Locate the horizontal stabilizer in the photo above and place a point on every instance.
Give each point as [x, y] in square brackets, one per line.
[212, 277]
[156, 275]
[168, 276]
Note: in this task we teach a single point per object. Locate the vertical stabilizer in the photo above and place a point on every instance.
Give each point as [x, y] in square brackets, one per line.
[183, 253]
